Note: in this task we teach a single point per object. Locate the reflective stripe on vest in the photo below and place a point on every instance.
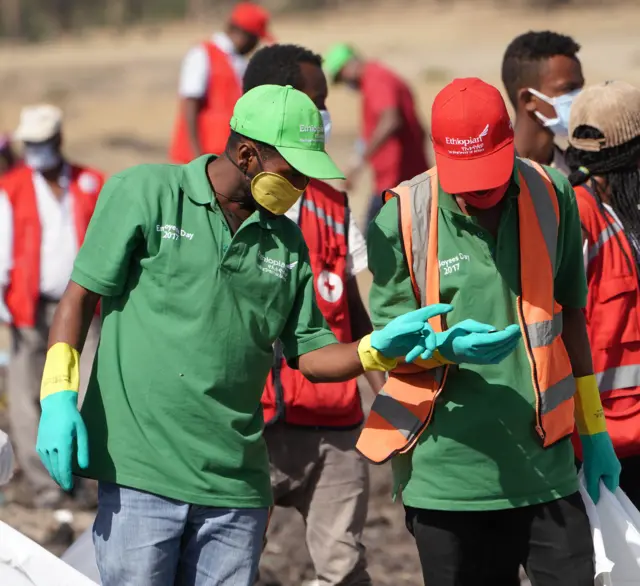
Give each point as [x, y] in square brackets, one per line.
[404, 410]
[603, 238]
[620, 377]
[326, 218]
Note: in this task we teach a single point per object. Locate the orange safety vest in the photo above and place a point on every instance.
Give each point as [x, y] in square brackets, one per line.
[217, 109]
[23, 291]
[613, 323]
[404, 408]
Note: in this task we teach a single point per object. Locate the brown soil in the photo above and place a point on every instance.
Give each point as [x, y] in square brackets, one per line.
[118, 92]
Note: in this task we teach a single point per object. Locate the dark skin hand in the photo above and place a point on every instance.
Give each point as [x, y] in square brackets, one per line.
[559, 75]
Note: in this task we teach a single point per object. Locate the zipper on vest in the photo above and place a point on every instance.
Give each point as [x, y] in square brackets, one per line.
[534, 374]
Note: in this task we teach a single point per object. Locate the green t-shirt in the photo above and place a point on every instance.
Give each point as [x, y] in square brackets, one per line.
[190, 314]
[480, 451]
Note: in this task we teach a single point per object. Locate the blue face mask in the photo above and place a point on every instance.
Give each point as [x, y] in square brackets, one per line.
[562, 105]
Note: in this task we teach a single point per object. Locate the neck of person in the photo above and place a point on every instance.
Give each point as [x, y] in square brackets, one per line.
[53, 176]
[534, 141]
[229, 188]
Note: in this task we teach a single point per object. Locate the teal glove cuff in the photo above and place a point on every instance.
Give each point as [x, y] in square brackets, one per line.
[61, 430]
[599, 462]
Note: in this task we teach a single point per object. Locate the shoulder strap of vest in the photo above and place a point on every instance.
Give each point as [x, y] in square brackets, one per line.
[415, 198]
[545, 203]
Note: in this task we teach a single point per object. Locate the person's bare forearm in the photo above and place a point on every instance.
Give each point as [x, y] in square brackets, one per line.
[576, 341]
[192, 108]
[387, 126]
[361, 326]
[73, 316]
[331, 364]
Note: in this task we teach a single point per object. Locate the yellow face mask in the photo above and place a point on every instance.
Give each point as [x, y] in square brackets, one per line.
[274, 193]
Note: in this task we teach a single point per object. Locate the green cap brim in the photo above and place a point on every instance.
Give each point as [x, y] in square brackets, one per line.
[314, 164]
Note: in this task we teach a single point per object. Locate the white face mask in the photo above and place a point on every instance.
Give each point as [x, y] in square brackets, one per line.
[326, 121]
[42, 157]
[562, 105]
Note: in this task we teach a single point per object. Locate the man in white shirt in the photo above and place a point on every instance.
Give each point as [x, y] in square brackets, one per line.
[210, 83]
[45, 208]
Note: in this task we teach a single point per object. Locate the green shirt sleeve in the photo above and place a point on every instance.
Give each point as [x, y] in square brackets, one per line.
[306, 329]
[570, 281]
[391, 292]
[117, 227]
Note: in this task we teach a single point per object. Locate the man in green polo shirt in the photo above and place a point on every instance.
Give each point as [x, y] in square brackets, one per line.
[198, 273]
[482, 495]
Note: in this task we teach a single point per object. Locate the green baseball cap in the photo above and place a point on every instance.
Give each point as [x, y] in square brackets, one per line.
[288, 120]
[336, 58]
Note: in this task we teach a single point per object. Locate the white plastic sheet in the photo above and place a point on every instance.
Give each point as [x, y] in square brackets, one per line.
[615, 527]
[25, 563]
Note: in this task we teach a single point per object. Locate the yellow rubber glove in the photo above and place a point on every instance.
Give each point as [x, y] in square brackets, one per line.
[588, 411]
[372, 359]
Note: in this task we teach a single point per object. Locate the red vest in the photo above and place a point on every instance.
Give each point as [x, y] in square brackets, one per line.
[289, 396]
[215, 114]
[613, 322]
[23, 292]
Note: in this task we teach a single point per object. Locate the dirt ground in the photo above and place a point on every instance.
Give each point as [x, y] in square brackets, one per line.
[118, 93]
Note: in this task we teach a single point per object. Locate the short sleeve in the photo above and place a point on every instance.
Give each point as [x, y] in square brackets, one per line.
[306, 329]
[570, 280]
[118, 226]
[194, 75]
[391, 292]
[357, 253]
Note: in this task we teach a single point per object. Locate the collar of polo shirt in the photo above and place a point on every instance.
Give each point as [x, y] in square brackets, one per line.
[199, 191]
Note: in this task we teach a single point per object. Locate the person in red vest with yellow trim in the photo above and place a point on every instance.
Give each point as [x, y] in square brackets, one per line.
[311, 428]
[45, 208]
[479, 436]
[211, 83]
[604, 156]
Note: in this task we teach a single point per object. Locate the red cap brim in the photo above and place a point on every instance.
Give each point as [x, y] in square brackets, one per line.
[467, 175]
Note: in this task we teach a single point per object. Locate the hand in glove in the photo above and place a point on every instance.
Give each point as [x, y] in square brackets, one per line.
[477, 343]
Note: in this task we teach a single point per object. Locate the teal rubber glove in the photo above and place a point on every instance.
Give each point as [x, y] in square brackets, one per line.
[409, 332]
[477, 343]
[61, 427]
[599, 461]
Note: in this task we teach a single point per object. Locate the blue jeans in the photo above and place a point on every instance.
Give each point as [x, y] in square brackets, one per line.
[142, 539]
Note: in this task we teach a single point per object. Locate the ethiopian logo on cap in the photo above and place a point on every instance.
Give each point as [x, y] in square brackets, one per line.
[311, 134]
[471, 145]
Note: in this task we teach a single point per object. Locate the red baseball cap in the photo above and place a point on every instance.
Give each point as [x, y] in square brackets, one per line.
[252, 19]
[472, 137]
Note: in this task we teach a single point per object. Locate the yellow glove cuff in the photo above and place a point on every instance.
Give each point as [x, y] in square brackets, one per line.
[372, 359]
[436, 361]
[588, 411]
[61, 370]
